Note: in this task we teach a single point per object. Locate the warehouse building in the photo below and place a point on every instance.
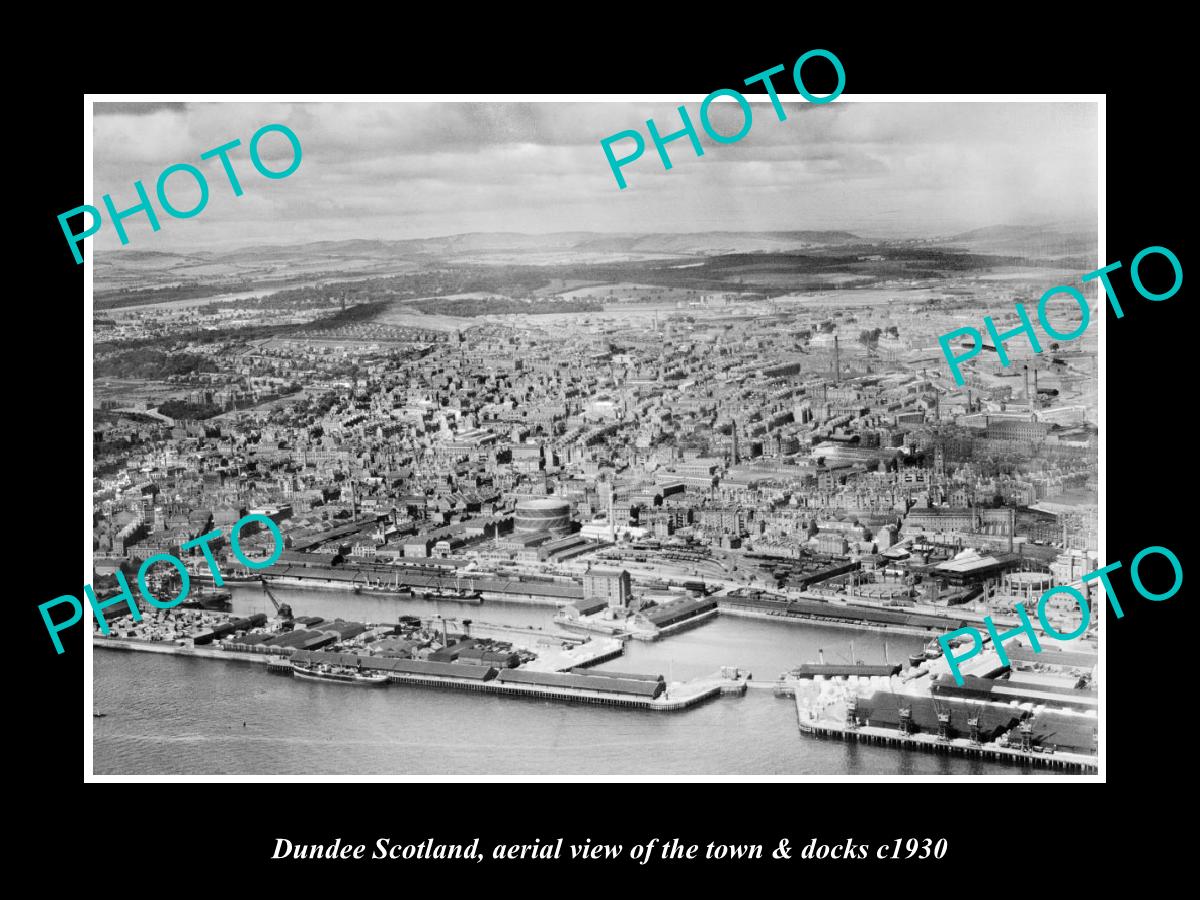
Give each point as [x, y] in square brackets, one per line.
[627, 686]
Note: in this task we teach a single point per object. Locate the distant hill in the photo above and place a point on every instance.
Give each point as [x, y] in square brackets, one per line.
[475, 242]
[145, 259]
[273, 267]
[250, 266]
[711, 242]
[1028, 242]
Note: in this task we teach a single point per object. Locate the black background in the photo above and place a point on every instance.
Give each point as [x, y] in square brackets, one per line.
[1012, 836]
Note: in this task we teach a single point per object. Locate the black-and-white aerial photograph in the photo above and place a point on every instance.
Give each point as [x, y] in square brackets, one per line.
[480, 465]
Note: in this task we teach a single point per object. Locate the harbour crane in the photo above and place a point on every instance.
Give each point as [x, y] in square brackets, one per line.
[974, 718]
[943, 717]
[283, 610]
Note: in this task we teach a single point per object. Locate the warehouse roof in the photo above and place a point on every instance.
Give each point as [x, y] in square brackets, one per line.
[1051, 657]
[882, 709]
[582, 682]
[811, 670]
[581, 670]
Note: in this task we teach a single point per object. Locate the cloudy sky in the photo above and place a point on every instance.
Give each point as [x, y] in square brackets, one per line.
[403, 170]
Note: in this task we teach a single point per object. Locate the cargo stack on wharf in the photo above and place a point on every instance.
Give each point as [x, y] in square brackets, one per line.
[1038, 711]
[415, 652]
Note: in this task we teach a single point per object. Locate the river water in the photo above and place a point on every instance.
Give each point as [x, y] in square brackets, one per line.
[171, 715]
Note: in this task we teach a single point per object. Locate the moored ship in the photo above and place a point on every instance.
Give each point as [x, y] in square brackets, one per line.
[455, 595]
[227, 578]
[340, 674]
[208, 598]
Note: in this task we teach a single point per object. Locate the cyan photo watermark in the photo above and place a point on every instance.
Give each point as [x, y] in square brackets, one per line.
[117, 217]
[688, 130]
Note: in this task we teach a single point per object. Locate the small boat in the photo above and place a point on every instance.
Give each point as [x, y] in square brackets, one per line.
[98, 715]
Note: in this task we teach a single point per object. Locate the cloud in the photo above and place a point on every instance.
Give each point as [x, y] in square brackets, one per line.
[417, 169]
[134, 109]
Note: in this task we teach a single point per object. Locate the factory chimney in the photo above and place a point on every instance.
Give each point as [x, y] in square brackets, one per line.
[612, 522]
[1028, 399]
[836, 368]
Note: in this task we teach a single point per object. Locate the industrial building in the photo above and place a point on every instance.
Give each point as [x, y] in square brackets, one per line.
[912, 714]
[609, 585]
[631, 686]
[543, 514]
[1002, 690]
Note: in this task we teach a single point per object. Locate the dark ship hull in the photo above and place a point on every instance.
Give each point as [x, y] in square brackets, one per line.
[208, 598]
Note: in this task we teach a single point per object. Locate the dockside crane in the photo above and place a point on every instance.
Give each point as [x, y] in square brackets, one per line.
[974, 720]
[283, 610]
[943, 718]
[903, 706]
